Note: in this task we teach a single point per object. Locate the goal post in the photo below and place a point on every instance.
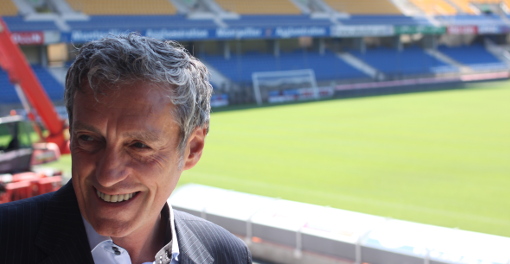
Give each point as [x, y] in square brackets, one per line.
[296, 84]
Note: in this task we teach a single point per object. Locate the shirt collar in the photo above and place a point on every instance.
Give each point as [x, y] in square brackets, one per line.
[95, 239]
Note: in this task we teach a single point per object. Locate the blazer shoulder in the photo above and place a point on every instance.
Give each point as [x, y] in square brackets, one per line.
[19, 225]
[223, 246]
[22, 210]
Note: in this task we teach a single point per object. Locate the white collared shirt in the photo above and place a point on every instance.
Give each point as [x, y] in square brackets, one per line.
[104, 251]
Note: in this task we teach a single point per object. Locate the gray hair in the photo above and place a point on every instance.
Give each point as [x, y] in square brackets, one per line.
[126, 58]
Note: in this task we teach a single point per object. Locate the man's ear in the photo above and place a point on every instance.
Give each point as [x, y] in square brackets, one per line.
[194, 148]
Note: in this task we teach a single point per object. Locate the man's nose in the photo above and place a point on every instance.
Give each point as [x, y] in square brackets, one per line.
[112, 167]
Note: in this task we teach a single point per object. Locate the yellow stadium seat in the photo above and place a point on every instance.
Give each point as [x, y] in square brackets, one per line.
[435, 7]
[265, 7]
[362, 7]
[123, 7]
[8, 8]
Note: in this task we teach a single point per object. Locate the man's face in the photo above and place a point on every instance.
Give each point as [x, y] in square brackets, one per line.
[125, 157]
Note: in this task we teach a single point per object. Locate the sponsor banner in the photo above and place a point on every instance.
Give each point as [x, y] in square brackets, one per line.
[493, 29]
[178, 34]
[362, 31]
[422, 29]
[28, 38]
[79, 36]
[200, 34]
[175, 34]
[300, 94]
[219, 100]
[460, 30]
[291, 32]
[242, 33]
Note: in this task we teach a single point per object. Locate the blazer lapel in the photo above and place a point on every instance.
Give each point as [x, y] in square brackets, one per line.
[62, 234]
[191, 249]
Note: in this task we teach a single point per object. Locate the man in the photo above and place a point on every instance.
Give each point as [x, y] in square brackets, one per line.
[139, 114]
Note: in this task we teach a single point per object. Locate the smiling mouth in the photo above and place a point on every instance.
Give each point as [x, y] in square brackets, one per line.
[114, 198]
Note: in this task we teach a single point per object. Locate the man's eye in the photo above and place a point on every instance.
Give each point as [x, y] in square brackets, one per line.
[85, 138]
[140, 145]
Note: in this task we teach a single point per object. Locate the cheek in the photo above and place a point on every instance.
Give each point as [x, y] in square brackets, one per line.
[81, 165]
[161, 182]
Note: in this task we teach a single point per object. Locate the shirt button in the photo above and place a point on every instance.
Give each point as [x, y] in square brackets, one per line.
[116, 250]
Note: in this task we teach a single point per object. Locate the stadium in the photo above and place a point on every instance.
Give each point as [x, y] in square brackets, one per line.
[388, 119]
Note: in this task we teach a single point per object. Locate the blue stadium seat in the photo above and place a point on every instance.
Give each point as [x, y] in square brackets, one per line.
[412, 60]
[139, 23]
[53, 88]
[7, 91]
[479, 57]
[470, 20]
[17, 23]
[276, 20]
[240, 68]
[384, 20]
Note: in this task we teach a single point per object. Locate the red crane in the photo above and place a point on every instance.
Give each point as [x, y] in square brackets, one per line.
[25, 81]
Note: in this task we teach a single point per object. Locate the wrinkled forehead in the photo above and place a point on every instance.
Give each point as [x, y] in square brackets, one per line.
[104, 89]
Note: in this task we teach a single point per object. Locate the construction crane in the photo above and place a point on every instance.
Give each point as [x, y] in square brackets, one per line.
[30, 90]
[17, 153]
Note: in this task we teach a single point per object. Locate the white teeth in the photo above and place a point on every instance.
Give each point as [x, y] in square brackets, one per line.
[114, 198]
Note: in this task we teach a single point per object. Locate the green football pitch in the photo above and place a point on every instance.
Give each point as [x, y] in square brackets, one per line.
[440, 158]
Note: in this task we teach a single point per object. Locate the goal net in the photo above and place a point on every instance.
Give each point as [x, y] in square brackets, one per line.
[284, 86]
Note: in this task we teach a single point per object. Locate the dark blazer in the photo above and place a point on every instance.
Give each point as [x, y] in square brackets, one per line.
[49, 229]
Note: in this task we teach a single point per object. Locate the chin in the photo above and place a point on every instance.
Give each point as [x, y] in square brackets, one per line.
[112, 228]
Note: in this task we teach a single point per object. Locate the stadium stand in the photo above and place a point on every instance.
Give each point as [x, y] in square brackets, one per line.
[469, 20]
[142, 22]
[384, 19]
[8, 8]
[280, 21]
[479, 58]
[240, 68]
[364, 7]
[53, 88]
[18, 23]
[276, 20]
[245, 7]
[466, 6]
[123, 7]
[409, 61]
[7, 90]
[435, 7]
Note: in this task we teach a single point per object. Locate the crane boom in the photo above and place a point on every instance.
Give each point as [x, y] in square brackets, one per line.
[21, 75]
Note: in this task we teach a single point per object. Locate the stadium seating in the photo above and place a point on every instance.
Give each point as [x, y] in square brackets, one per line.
[240, 68]
[7, 89]
[53, 88]
[479, 58]
[435, 7]
[18, 23]
[276, 20]
[364, 7]
[267, 7]
[8, 8]
[122, 7]
[411, 60]
[470, 20]
[142, 22]
[466, 5]
[383, 20]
